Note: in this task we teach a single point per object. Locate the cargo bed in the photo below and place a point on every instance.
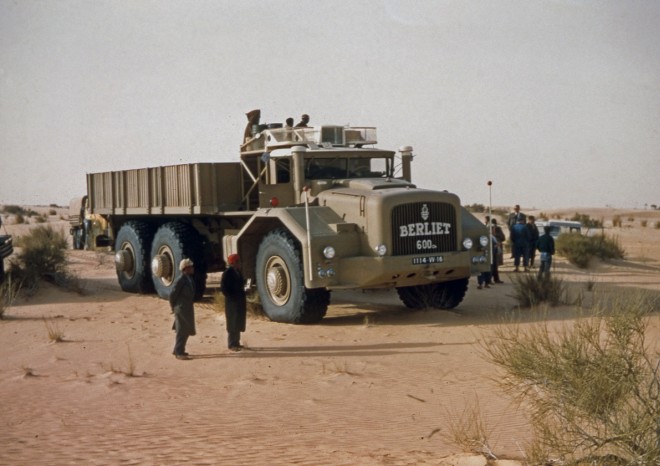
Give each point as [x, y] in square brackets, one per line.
[195, 189]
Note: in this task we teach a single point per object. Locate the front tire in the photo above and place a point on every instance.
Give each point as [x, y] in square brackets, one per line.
[446, 295]
[173, 242]
[132, 249]
[281, 282]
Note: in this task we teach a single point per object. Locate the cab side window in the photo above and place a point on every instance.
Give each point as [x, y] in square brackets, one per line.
[281, 168]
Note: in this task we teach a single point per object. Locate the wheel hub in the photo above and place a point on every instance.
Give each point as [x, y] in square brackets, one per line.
[161, 266]
[124, 261]
[276, 281]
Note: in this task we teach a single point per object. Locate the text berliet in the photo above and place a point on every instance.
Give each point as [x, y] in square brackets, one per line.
[424, 229]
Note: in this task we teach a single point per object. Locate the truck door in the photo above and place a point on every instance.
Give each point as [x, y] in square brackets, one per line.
[278, 183]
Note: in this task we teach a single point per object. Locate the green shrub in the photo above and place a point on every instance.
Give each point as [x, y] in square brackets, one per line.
[593, 388]
[502, 213]
[18, 219]
[52, 212]
[530, 291]
[14, 210]
[42, 256]
[579, 249]
[476, 208]
[587, 221]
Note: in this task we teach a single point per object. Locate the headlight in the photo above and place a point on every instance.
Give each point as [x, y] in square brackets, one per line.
[329, 252]
[483, 240]
[467, 243]
[381, 250]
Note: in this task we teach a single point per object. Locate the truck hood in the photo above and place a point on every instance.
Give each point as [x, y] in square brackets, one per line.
[370, 184]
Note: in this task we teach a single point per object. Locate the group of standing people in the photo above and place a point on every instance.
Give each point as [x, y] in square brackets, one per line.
[524, 237]
[526, 240]
[182, 298]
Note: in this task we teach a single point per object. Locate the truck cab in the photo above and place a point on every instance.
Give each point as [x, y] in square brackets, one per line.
[354, 220]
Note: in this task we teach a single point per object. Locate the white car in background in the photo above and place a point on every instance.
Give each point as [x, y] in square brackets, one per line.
[557, 227]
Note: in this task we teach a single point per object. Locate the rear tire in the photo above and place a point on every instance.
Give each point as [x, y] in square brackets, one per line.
[173, 242]
[281, 282]
[133, 245]
[446, 295]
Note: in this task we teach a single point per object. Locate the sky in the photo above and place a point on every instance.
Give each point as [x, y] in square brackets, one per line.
[557, 102]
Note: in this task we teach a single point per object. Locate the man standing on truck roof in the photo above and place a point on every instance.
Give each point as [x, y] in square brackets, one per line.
[232, 286]
[253, 117]
[303, 121]
[181, 300]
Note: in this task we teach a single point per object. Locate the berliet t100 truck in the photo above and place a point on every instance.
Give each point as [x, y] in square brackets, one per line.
[309, 210]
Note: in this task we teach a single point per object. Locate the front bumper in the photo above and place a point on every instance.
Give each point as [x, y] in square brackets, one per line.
[389, 272]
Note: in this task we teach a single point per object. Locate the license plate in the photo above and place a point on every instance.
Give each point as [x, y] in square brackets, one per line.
[427, 260]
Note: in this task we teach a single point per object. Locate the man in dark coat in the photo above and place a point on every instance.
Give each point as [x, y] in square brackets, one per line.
[181, 301]
[233, 288]
[546, 245]
[511, 221]
[520, 238]
[514, 217]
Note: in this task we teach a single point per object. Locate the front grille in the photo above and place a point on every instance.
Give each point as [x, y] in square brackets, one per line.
[423, 228]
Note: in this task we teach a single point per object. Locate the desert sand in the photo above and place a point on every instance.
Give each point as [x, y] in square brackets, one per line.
[373, 384]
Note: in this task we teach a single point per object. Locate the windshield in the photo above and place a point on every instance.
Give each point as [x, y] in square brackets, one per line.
[347, 167]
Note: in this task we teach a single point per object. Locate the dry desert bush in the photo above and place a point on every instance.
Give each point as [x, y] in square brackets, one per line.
[592, 389]
[42, 256]
[530, 291]
[55, 333]
[8, 294]
[468, 430]
[580, 249]
[587, 221]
